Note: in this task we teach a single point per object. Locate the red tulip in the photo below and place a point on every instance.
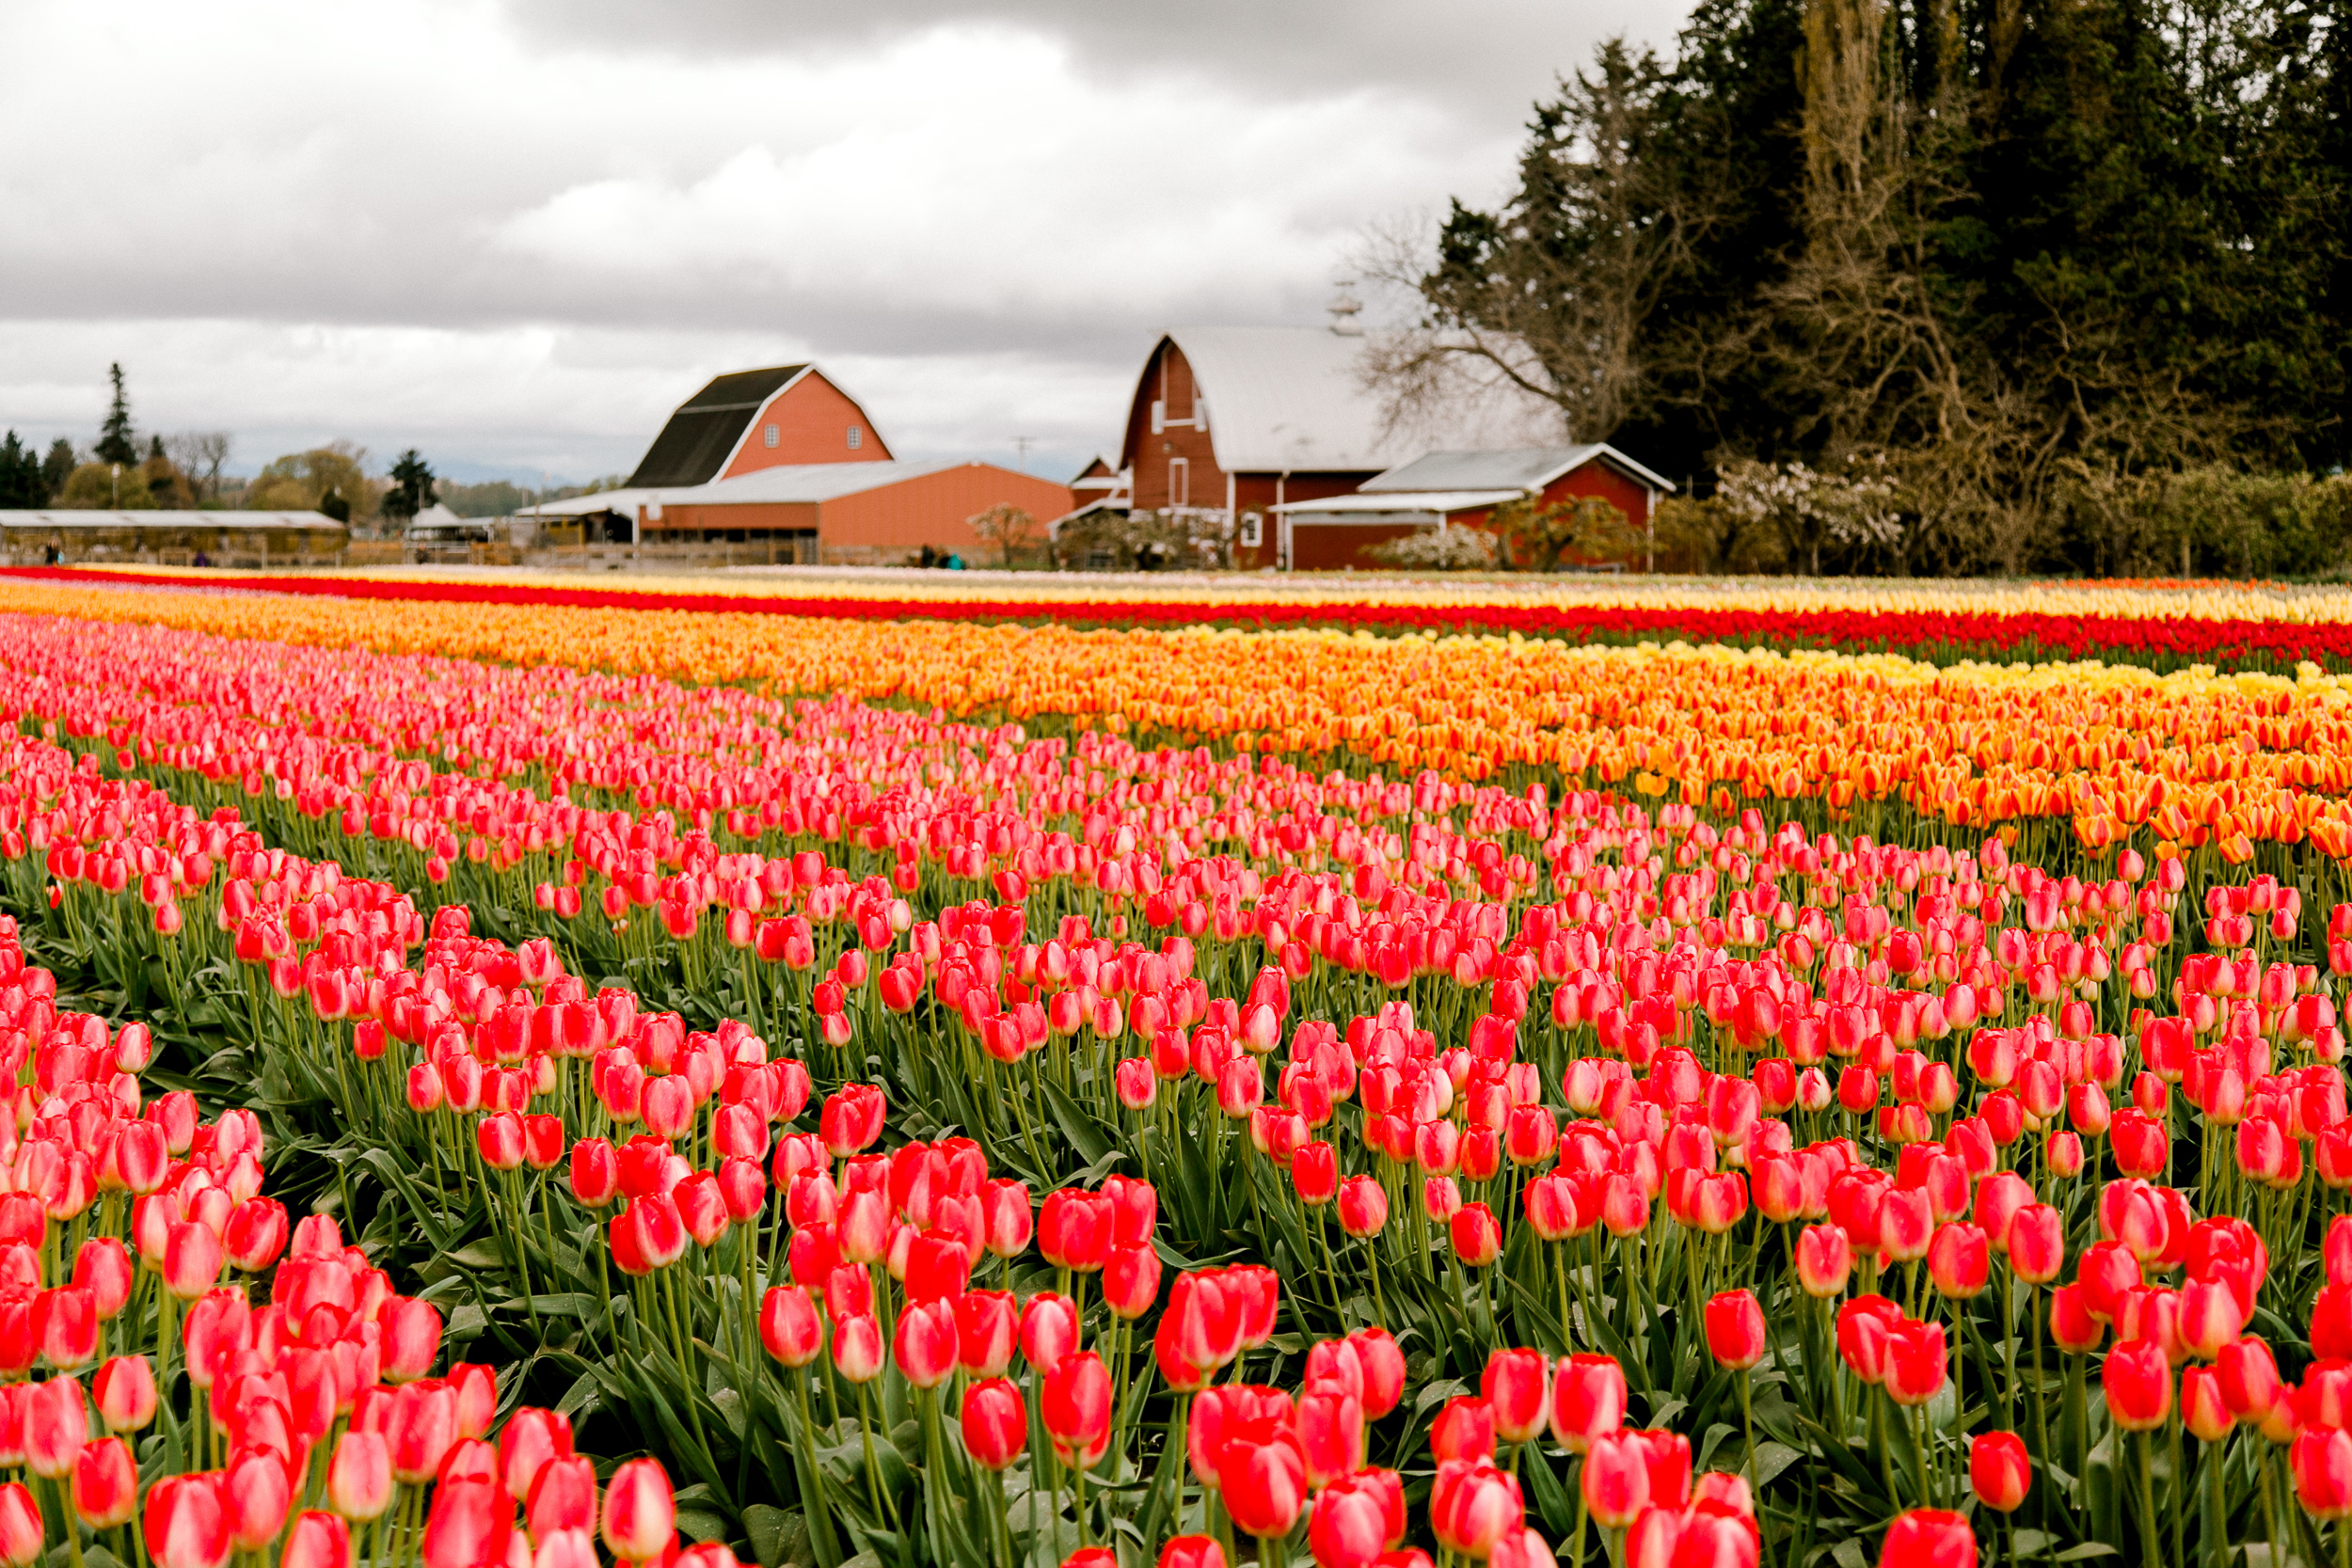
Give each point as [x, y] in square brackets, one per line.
[317, 1541]
[2321, 1460]
[1464, 1429]
[1262, 1485]
[1999, 1470]
[789, 1325]
[1477, 1237]
[1192, 1551]
[1588, 1394]
[2072, 1322]
[1472, 1504]
[1616, 1479]
[359, 1476]
[103, 1268]
[21, 1528]
[124, 1391]
[1348, 1526]
[1517, 1387]
[563, 1500]
[850, 1121]
[1329, 1429]
[2249, 1378]
[192, 1259]
[105, 1484]
[1918, 1362]
[1075, 1405]
[857, 1347]
[185, 1524]
[420, 1426]
[2204, 1411]
[1314, 1174]
[2137, 1380]
[1928, 1538]
[1075, 1229]
[1383, 1366]
[1049, 1330]
[1364, 1206]
[1734, 1329]
[1865, 1330]
[412, 1337]
[640, 1510]
[56, 1424]
[1131, 1280]
[1825, 1260]
[995, 1422]
[923, 1344]
[1005, 1207]
[1257, 1293]
[1958, 1261]
[257, 1492]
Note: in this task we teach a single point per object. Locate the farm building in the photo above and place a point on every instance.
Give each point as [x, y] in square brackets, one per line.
[783, 457]
[226, 538]
[848, 514]
[1443, 489]
[1239, 420]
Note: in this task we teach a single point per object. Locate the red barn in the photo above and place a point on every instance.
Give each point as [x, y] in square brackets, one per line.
[783, 457]
[1442, 489]
[751, 420]
[1238, 420]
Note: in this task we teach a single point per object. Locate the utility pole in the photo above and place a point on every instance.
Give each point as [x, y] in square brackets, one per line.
[1022, 445]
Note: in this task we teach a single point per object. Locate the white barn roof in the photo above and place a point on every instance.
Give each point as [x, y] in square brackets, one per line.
[799, 482]
[1295, 399]
[1522, 468]
[78, 518]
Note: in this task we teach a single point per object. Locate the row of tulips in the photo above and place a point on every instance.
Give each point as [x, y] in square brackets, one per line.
[2168, 626]
[2105, 754]
[1697, 1055]
[153, 1409]
[868, 1333]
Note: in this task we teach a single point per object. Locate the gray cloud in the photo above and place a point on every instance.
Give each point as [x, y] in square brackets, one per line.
[520, 235]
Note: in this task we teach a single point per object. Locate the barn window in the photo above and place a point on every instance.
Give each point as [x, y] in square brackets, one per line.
[1252, 529]
[857, 437]
[1178, 481]
[1159, 415]
[771, 436]
[1200, 413]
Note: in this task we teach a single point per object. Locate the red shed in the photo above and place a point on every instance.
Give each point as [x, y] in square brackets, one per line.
[1441, 489]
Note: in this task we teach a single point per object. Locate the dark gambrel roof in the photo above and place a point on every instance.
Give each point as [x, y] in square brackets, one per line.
[707, 427]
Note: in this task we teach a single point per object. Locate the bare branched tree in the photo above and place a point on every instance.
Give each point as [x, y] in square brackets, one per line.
[1553, 295]
[200, 454]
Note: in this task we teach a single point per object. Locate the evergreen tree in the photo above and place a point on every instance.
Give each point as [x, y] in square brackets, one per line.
[21, 485]
[2009, 249]
[412, 488]
[114, 438]
[57, 466]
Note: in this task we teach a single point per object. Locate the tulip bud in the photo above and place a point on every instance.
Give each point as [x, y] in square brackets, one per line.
[640, 1510]
[996, 1423]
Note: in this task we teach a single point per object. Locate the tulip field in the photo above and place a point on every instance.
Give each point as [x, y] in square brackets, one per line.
[532, 1085]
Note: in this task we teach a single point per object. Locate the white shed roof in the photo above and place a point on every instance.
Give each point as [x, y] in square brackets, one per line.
[1297, 399]
[1424, 503]
[76, 518]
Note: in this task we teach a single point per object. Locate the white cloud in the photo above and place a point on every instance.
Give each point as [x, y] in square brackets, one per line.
[429, 222]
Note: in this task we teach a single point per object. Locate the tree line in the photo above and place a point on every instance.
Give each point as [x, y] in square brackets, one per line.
[1937, 286]
[123, 470]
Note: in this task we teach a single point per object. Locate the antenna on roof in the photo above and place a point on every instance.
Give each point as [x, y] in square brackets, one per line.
[1345, 307]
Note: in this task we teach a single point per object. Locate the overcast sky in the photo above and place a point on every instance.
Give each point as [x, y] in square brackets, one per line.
[515, 236]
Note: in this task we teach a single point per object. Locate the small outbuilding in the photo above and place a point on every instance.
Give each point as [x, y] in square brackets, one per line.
[224, 538]
[1443, 489]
